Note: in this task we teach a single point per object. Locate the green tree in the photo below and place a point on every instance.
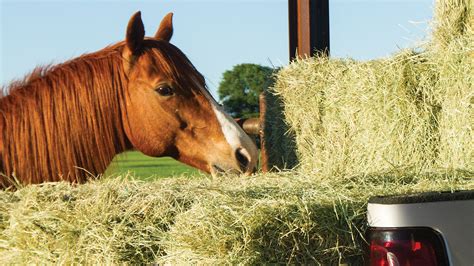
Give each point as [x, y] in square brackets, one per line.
[240, 88]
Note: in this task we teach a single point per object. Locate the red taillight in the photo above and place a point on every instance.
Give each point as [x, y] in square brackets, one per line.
[406, 247]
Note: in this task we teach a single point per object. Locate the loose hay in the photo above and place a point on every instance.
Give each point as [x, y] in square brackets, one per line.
[273, 218]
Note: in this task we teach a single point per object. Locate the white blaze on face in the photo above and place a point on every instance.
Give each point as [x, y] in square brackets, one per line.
[234, 135]
[232, 132]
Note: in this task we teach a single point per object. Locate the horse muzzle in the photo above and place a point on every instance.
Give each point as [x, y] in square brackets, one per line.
[243, 162]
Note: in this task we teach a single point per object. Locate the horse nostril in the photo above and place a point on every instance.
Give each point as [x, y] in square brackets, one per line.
[242, 159]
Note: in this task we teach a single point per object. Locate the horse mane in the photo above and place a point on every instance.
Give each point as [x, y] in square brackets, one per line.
[63, 117]
[64, 122]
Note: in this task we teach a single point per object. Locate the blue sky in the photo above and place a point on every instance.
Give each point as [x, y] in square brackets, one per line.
[215, 35]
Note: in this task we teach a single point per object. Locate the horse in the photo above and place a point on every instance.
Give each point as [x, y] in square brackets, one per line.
[66, 122]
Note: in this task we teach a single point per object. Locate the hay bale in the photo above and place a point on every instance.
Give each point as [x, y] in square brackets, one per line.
[360, 117]
[452, 53]
[455, 95]
[292, 222]
[284, 218]
[453, 20]
[111, 222]
[412, 110]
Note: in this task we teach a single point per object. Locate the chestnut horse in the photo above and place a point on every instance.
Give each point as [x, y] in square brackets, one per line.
[67, 122]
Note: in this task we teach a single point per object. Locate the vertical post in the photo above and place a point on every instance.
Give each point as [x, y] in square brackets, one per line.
[308, 27]
[320, 31]
[293, 27]
[263, 142]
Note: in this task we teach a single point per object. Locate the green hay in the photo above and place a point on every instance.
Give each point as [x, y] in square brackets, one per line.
[413, 110]
[95, 223]
[273, 218]
[365, 117]
[455, 95]
[453, 21]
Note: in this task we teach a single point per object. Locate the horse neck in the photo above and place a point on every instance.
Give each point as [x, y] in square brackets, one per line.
[1, 150]
[66, 124]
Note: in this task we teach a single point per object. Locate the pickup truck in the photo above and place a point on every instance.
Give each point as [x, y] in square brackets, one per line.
[435, 228]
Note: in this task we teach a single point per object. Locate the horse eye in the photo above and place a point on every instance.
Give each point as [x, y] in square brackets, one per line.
[165, 91]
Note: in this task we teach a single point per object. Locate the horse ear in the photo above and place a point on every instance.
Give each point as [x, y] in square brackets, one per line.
[165, 30]
[135, 33]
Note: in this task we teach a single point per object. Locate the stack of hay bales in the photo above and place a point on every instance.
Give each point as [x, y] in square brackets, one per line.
[453, 54]
[280, 218]
[413, 110]
[391, 126]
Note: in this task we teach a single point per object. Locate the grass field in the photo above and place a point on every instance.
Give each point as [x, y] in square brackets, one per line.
[145, 167]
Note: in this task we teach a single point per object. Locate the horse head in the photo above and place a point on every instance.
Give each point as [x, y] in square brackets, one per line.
[167, 110]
